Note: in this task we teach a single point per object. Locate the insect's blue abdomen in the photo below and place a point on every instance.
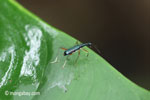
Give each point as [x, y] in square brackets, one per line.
[71, 50]
[75, 48]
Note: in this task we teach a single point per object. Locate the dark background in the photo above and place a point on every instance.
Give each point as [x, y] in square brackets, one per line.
[120, 29]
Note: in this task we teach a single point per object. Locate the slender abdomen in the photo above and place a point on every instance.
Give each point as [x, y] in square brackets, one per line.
[71, 50]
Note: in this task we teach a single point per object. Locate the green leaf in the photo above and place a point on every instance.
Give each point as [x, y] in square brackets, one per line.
[28, 46]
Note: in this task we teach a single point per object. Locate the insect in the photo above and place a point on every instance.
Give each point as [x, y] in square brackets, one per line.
[73, 49]
[76, 48]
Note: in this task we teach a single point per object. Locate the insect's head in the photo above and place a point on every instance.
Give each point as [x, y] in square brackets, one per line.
[89, 44]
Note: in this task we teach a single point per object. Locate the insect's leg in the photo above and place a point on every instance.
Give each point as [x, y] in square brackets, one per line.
[77, 57]
[56, 59]
[65, 62]
[85, 51]
[63, 48]
[68, 57]
[77, 43]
